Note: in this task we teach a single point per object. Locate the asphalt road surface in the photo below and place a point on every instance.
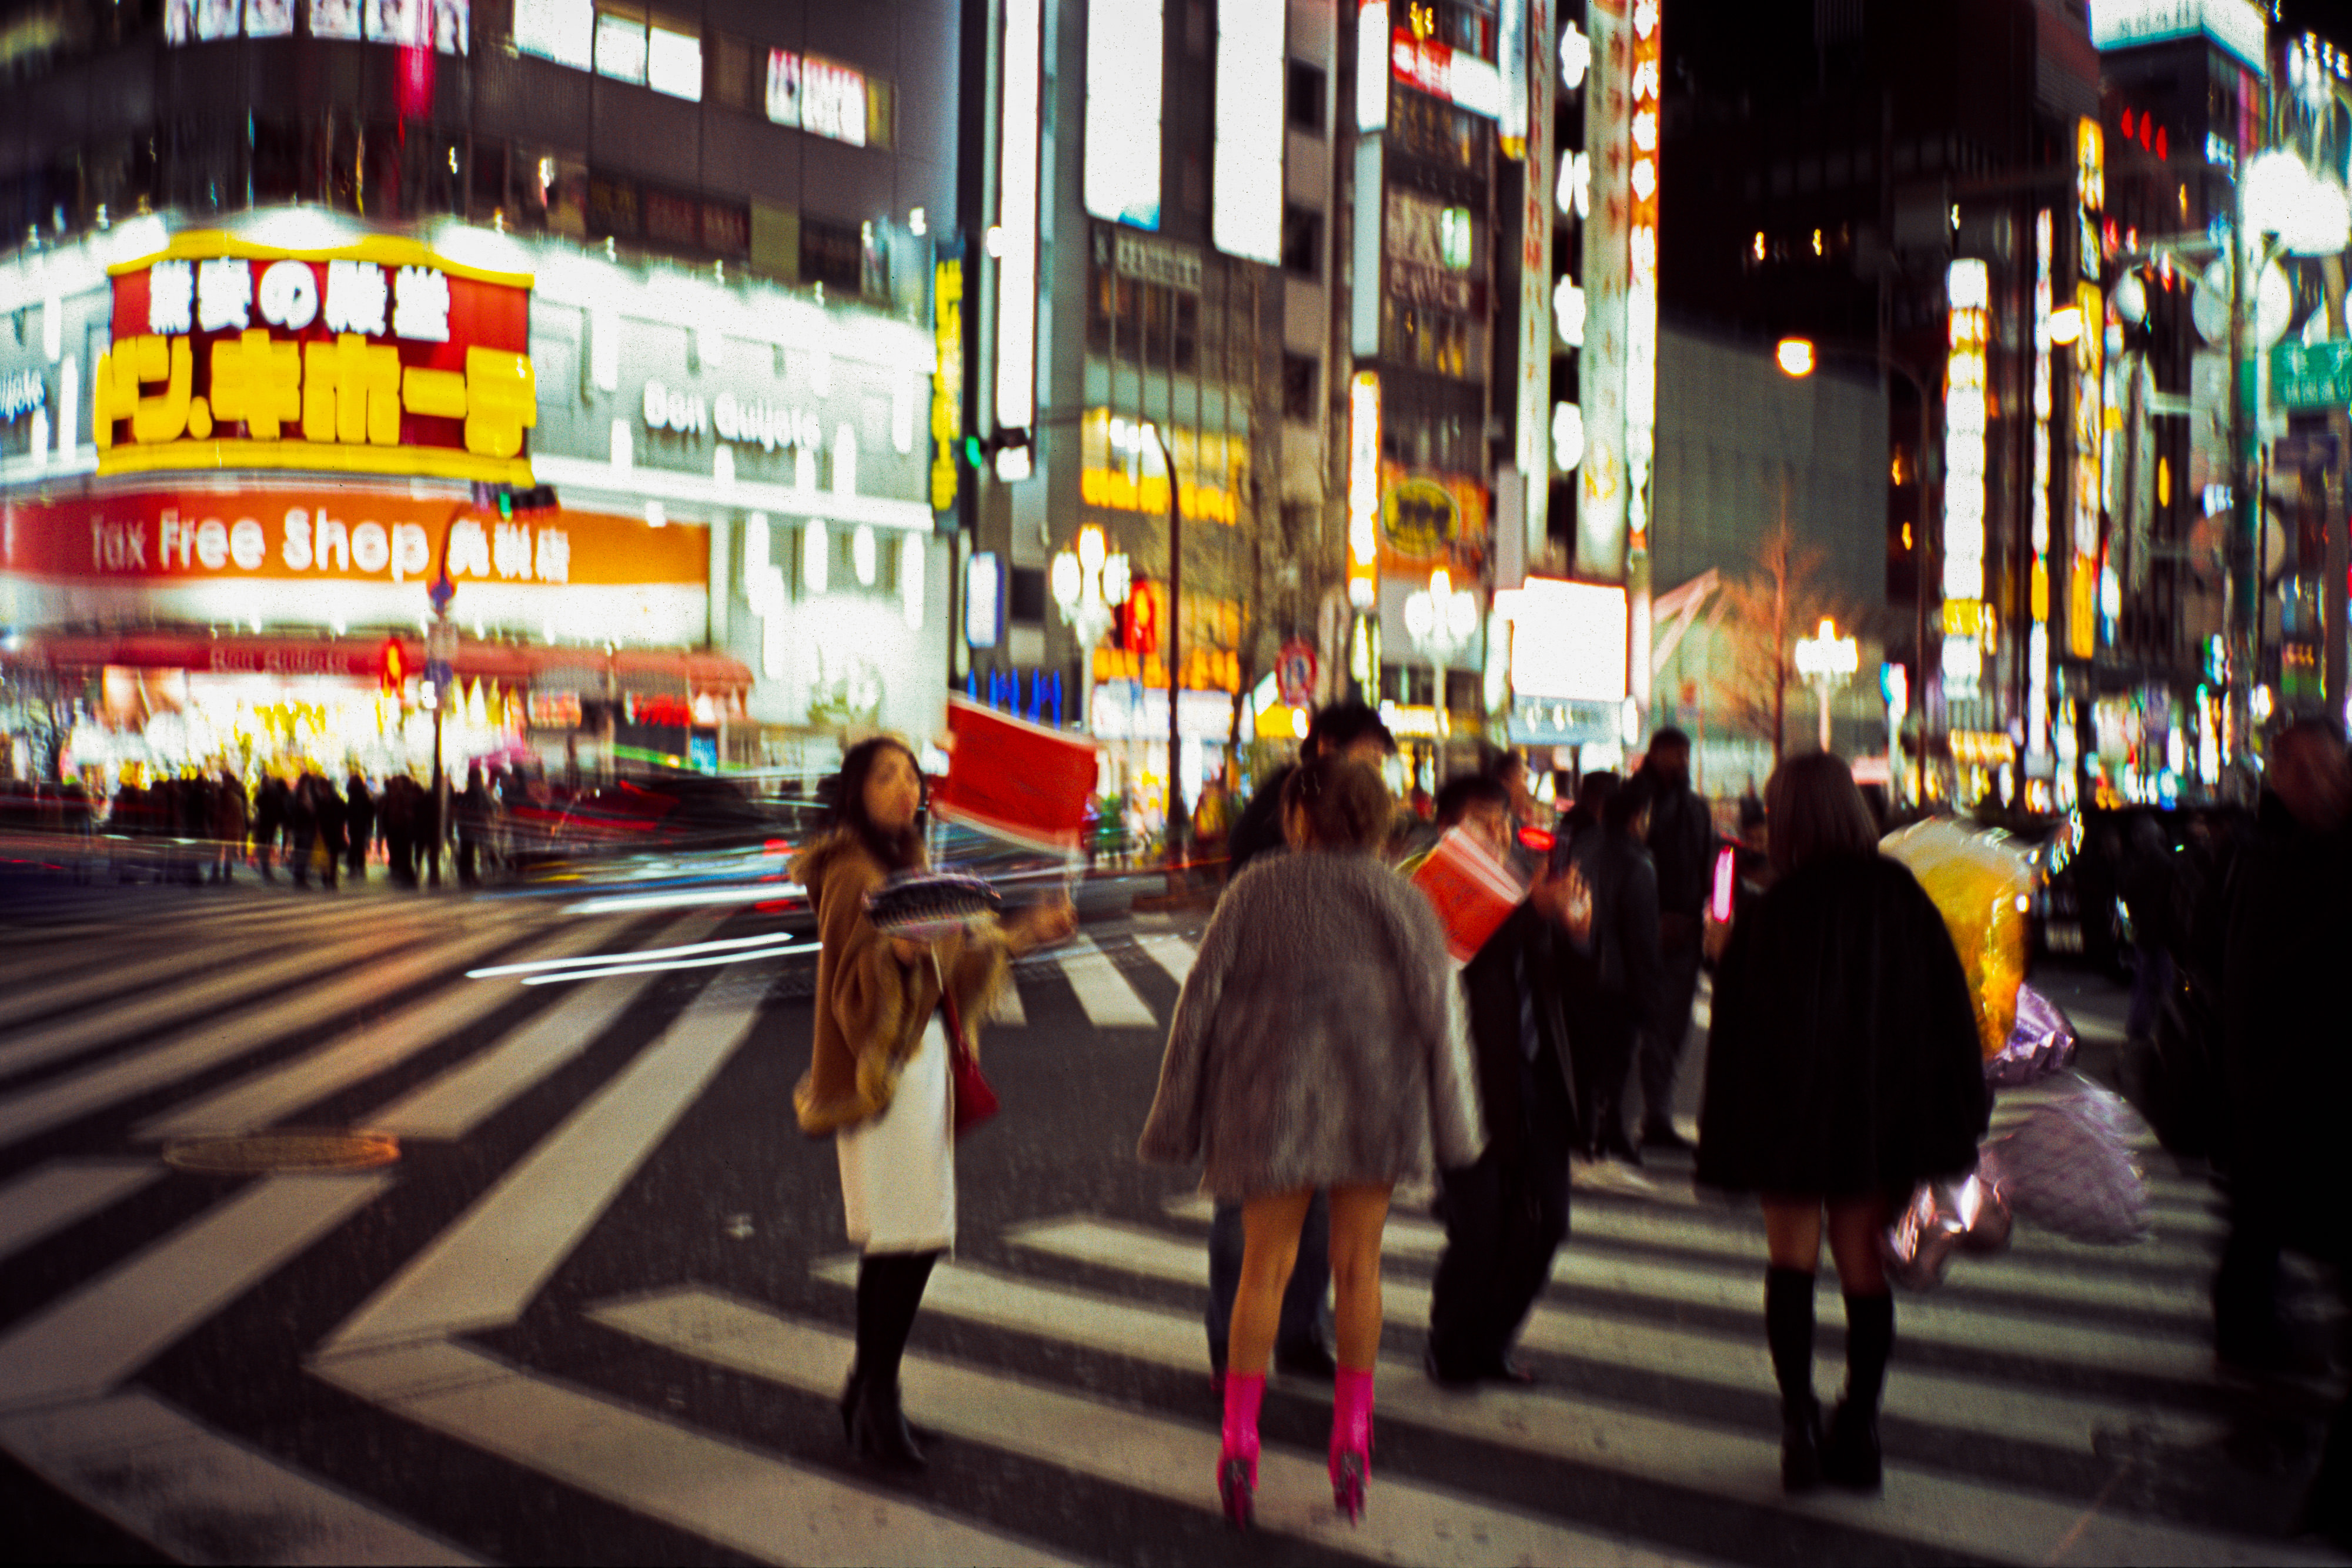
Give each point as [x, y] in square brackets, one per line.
[597, 1309]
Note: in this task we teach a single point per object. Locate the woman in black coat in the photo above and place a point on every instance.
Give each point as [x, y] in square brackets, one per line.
[1842, 1069]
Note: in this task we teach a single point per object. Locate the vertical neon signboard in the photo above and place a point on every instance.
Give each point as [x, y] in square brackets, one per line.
[2037, 641]
[1968, 287]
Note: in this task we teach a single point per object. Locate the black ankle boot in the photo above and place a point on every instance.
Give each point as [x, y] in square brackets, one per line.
[878, 1430]
[1801, 1445]
[1850, 1456]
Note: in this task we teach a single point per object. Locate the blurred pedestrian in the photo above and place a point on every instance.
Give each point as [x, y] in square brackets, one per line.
[429, 831]
[269, 803]
[358, 823]
[1843, 1069]
[1614, 977]
[1301, 1345]
[1507, 1212]
[228, 825]
[1317, 1044]
[301, 826]
[472, 810]
[879, 1077]
[327, 805]
[1681, 840]
[396, 814]
[2150, 886]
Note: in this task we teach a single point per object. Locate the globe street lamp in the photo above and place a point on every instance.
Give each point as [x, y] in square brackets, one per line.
[1090, 585]
[1828, 661]
[1442, 621]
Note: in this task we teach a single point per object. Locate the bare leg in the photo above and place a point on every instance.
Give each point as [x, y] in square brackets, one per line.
[1854, 1225]
[1359, 1214]
[1792, 1231]
[1269, 1247]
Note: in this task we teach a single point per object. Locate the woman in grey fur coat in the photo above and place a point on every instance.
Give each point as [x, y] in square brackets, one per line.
[1319, 1042]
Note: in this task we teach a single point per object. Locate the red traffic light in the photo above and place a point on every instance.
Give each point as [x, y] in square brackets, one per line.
[392, 667]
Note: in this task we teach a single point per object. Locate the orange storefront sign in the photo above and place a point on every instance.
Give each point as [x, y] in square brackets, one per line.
[332, 533]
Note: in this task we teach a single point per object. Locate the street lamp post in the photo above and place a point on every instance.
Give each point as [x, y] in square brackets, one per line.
[1442, 621]
[1797, 357]
[1090, 585]
[1828, 661]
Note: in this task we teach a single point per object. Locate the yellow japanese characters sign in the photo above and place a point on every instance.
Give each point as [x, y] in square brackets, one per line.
[378, 357]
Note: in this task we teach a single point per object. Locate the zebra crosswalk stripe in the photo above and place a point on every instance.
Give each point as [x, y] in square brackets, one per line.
[193, 1490]
[484, 1269]
[1978, 1519]
[1409, 1523]
[223, 1039]
[1108, 1000]
[278, 1092]
[766, 1508]
[84, 1344]
[49, 1200]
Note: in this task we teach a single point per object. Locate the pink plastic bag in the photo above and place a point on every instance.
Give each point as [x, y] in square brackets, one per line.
[2069, 1168]
[1943, 1217]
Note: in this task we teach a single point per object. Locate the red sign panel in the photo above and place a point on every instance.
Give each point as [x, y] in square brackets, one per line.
[1019, 781]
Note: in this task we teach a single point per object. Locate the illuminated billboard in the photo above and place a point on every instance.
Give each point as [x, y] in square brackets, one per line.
[1246, 183]
[1124, 68]
[1568, 640]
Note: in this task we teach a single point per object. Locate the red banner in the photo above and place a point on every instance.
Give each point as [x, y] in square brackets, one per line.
[1017, 781]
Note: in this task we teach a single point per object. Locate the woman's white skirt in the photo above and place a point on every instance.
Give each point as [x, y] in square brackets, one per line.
[898, 1170]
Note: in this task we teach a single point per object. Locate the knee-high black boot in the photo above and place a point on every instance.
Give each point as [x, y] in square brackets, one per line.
[889, 1291]
[1850, 1456]
[1788, 1332]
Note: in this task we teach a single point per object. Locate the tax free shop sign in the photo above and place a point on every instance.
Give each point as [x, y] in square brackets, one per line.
[376, 357]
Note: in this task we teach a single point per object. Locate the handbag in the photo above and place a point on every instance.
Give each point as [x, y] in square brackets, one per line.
[975, 1100]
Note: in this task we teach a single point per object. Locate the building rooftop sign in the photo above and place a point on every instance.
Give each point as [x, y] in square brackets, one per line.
[2236, 26]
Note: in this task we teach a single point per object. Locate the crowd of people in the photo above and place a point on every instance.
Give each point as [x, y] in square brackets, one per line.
[203, 826]
[1326, 1047]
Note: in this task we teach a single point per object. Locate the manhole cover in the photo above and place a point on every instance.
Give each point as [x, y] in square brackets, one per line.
[291, 1151]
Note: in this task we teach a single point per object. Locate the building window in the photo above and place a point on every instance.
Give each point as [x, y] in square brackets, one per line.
[674, 59]
[1302, 241]
[833, 254]
[1300, 374]
[621, 43]
[1306, 87]
[730, 72]
[1025, 596]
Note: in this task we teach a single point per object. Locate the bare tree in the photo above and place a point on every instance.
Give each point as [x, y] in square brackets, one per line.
[1782, 596]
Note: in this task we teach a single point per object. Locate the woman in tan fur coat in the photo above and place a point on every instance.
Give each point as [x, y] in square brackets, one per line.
[879, 1078]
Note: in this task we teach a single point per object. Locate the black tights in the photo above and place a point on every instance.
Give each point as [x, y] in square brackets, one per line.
[889, 1290]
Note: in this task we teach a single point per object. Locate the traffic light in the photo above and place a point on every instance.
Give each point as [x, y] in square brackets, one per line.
[508, 500]
[979, 450]
[392, 667]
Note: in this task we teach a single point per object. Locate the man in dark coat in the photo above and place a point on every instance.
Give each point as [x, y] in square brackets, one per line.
[1506, 1214]
[268, 822]
[1615, 979]
[301, 827]
[1682, 845]
[2287, 1079]
[327, 805]
[1355, 730]
[359, 823]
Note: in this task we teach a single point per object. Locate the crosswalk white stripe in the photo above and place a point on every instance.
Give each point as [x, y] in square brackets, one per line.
[1745, 1249]
[1407, 1522]
[1008, 1009]
[461, 1098]
[1109, 1001]
[176, 1002]
[88, 1341]
[47, 1200]
[110, 977]
[223, 1039]
[1958, 1404]
[278, 1092]
[1979, 1519]
[188, 1489]
[2149, 1353]
[1170, 952]
[765, 1508]
[484, 1269]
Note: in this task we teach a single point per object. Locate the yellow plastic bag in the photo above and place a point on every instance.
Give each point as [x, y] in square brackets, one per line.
[1981, 882]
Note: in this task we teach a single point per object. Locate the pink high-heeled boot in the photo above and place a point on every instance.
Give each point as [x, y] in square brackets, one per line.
[1238, 1463]
[1351, 1440]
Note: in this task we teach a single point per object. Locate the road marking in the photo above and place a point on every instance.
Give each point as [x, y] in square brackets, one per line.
[277, 1093]
[1974, 1327]
[1407, 1522]
[177, 1003]
[1109, 1001]
[84, 1344]
[1008, 1009]
[762, 1507]
[224, 1040]
[1744, 1250]
[107, 976]
[193, 1492]
[1170, 952]
[1980, 1519]
[56, 1195]
[484, 1269]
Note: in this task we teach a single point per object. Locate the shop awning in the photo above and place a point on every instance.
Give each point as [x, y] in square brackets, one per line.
[359, 657]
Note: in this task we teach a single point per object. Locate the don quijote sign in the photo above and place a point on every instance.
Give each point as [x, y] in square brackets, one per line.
[751, 421]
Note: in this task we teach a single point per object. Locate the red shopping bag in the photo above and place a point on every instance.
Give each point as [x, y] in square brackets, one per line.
[1015, 780]
[1472, 891]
